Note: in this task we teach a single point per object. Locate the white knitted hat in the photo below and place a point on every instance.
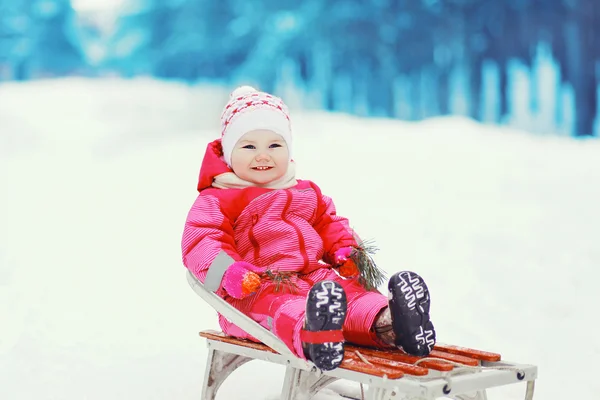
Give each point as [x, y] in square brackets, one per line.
[249, 110]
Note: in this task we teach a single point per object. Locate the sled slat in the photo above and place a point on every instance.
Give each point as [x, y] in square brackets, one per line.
[396, 355]
[468, 352]
[354, 363]
[454, 357]
[382, 362]
[221, 337]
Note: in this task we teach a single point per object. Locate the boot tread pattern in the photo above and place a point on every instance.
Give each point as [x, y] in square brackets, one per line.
[409, 305]
[325, 310]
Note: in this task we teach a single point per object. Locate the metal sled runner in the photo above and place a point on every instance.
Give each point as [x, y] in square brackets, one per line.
[448, 372]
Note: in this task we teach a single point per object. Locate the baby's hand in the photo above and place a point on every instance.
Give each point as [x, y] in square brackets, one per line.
[250, 283]
[240, 280]
[347, 267]
[341, 255]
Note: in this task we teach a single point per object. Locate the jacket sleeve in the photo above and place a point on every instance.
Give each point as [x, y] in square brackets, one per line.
[334, 229]
[207, 234]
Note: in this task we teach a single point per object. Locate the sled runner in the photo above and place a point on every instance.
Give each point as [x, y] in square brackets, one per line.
[447, 372]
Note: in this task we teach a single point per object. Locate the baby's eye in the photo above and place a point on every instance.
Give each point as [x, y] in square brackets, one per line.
[249, 147]
[274, 145]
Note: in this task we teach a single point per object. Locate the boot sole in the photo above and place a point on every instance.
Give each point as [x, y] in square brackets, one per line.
[409, 304]
[326, 308]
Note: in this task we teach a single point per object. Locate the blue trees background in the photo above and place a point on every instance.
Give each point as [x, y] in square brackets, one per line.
[529, 63]
[37, 39]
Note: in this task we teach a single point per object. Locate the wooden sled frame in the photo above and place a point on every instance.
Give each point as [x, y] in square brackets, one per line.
[463, 374]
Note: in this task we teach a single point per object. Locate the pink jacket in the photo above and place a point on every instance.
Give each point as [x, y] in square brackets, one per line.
[293, 229]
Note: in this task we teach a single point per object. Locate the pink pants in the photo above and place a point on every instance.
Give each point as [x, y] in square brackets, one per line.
[282, 311]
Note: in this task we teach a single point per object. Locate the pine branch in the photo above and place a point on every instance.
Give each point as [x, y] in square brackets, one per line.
[282, 280]
[371, 276]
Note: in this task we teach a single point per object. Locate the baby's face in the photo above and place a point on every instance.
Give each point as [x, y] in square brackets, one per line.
[260, 157]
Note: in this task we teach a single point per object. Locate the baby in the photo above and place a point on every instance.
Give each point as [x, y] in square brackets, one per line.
[274, 247]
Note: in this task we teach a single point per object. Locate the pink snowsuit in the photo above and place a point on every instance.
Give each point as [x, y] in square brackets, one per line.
[289, 230]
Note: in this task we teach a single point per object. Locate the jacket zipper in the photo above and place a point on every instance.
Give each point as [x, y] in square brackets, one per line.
[252, 238]
[301, 242]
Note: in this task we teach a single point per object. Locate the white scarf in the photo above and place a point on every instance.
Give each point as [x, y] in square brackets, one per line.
[229, 180]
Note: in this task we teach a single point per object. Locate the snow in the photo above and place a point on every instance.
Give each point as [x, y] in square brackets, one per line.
[98, 177]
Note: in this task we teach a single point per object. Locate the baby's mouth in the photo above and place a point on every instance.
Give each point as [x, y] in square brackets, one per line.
[262, 168]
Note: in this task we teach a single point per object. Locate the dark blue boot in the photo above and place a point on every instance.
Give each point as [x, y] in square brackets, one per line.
[409, 306]
[322, 336]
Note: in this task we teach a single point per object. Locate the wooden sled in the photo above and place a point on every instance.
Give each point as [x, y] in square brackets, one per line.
[448, 372]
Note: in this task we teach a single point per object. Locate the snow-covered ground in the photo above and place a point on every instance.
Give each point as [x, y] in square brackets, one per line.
[97, 178]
